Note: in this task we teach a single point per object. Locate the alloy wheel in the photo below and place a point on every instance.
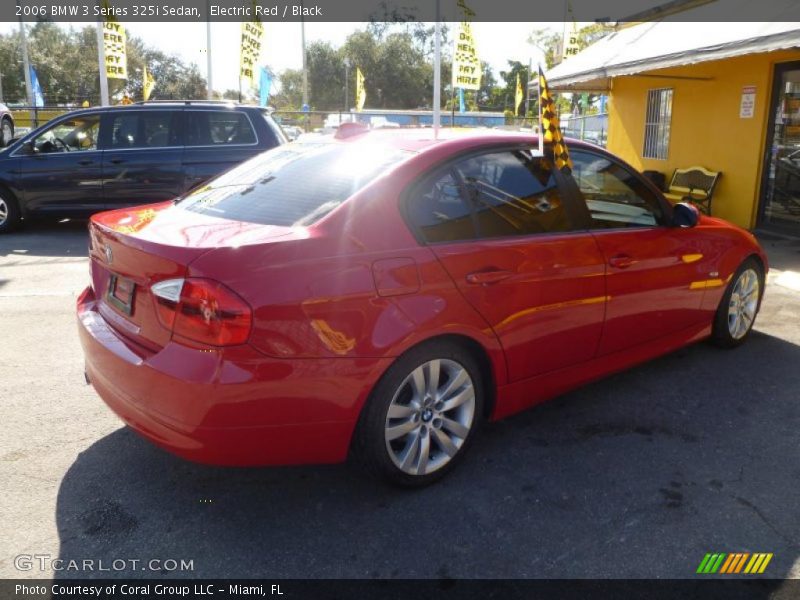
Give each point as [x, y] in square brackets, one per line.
[3, 211]
[743, 304]
[430, 416]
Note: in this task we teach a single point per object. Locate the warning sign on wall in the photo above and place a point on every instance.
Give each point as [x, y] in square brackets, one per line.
[748, 103]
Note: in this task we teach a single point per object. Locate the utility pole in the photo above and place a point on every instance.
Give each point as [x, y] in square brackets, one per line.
[437, 74]
[346, 84]
[305, 71]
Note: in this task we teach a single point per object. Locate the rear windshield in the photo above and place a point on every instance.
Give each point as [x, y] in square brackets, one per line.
[294, 184]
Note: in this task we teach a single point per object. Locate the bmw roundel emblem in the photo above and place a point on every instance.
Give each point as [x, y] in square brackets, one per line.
[109, 255]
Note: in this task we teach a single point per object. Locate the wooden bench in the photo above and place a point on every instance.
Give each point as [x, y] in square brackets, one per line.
[695, 185]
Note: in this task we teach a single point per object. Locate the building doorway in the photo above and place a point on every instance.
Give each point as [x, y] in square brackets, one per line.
[780, 190]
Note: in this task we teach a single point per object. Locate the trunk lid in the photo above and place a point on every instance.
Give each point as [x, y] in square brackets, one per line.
[131, 249]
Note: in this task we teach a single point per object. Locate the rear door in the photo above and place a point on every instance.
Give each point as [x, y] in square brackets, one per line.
[656, 272]
[142, 161]
[216, 140]
[64, 174]
[500, 224]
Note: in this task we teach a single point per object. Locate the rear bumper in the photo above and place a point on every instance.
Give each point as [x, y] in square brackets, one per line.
[231, 406]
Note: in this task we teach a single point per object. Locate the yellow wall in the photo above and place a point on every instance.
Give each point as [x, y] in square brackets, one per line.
[706, 128]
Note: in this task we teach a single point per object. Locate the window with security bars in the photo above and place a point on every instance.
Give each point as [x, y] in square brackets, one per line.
[657, 123]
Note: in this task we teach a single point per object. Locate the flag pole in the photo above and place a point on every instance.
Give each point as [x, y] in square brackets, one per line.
[528, 90]
[539, 98]
[437, 74]
[210, 90]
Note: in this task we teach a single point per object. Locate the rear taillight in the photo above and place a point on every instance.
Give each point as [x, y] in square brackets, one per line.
[202, 310]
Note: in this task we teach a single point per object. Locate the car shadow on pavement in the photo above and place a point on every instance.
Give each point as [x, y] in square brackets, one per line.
[639, 475]
[47, 238]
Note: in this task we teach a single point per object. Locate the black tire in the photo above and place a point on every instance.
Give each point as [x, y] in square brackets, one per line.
[6, 131]
[723, 333]
[377, 455]
[10, 216]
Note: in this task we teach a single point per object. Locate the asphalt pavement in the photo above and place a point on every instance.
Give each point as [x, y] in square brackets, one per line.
[639, 475]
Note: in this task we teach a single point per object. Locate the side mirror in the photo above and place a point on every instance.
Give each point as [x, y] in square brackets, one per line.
[27, 148]
[685, 215]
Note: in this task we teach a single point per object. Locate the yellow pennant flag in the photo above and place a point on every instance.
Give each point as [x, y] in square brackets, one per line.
[361, 92]
[518, 97]
[114, 41]
[550, 128]
[252, 34]
[148, 83]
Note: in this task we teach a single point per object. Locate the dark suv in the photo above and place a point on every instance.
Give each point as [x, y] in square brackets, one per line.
[96, 159]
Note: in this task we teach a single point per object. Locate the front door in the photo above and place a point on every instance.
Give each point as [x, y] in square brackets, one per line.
[780, 202]
[656, 273]
[63, 174]
[498, 223]
[142, 161]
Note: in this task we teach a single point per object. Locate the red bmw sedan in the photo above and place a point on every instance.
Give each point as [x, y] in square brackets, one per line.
[382, 294]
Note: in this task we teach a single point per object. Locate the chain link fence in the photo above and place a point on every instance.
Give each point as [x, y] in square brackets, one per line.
[591, 128]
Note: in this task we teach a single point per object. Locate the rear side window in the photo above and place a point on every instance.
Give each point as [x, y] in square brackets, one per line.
[514, 193]
[491, 195]
[293, 184]
[218, 128]
[439, 211]
[145, 129]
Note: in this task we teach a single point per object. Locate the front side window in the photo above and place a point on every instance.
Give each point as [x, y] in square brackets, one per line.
[75, 134]
[145, 129]
[614, 196]
[658, 120]
[218, 128]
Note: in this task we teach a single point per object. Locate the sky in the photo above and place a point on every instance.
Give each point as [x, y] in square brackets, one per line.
[496, 43]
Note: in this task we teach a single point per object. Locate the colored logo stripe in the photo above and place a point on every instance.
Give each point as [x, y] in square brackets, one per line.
[734, 563]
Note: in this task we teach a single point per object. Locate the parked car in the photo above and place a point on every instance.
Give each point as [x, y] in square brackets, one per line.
[383, 293]
[95, 159]
[6, 125]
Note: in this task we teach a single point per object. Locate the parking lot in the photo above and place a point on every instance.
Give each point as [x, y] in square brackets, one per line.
[639, 475]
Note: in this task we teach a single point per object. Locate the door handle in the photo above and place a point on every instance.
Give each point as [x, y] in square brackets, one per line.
[487, 277]
[621, 261]
[117, 161]
[85, 161]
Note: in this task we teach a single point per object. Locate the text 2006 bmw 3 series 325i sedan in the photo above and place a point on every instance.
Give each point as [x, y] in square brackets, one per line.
[382, 294]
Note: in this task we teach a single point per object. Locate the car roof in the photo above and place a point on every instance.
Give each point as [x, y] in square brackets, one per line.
[165, 104]
[423, 138]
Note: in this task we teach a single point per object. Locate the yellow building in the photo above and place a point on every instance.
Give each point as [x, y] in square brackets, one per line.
[725, 96]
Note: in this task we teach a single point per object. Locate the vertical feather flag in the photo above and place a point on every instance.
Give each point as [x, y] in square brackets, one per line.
[264, 86]
[148, 83]
[518, 97]
[550, 127]
[252, 36]
[361, 92]
[115, 41]
[36, 89]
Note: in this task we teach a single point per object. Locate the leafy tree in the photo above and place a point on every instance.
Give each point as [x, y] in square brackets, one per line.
[549, 42]
[66, 66]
